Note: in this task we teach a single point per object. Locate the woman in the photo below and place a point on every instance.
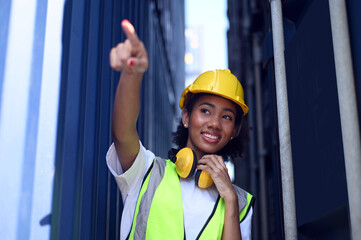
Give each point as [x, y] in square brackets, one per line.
[158, 204]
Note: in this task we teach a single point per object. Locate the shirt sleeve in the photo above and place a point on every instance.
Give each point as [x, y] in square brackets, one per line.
[246, 226]
[130, 179]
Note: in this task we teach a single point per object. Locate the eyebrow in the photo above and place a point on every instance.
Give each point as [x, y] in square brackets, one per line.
[213, 106]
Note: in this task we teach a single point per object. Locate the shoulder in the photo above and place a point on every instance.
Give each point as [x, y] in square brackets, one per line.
[245, 201]
[159, 166]
[130, 179]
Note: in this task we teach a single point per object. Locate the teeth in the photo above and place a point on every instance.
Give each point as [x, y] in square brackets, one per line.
[210, 136]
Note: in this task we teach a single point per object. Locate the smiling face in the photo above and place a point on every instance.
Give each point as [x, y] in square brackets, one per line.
[211, 124]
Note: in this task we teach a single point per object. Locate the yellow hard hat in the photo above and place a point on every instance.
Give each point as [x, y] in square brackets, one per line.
[219, 82]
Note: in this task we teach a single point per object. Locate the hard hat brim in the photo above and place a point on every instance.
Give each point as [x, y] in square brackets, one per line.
[220, 83]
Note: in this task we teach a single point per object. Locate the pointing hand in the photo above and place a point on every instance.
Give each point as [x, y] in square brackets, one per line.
[131, 54]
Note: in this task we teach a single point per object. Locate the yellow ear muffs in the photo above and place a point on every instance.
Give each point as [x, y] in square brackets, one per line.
[186, 161]
[203, 179]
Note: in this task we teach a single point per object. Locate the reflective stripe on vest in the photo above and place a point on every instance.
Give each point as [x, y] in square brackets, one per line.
[159, 209]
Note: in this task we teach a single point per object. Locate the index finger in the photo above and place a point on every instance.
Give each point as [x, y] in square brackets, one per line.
[130, 32]
[216, 159]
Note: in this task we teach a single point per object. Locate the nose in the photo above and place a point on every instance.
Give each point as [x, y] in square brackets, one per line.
[215, 123]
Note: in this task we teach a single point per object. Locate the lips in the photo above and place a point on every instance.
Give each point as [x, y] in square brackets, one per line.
[210, 137]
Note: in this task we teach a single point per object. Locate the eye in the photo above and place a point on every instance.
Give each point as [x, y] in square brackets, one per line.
[205, 111]
[228, 117]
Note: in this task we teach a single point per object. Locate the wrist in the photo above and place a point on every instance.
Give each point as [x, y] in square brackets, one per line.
[231, 203]
[230, 196]
[131, 77]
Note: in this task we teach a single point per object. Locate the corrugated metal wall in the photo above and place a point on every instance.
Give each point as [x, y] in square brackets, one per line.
[56, 90]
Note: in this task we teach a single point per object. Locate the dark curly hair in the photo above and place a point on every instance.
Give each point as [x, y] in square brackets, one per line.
[234, 148]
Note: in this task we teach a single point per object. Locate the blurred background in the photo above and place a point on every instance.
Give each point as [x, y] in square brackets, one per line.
[57, 91]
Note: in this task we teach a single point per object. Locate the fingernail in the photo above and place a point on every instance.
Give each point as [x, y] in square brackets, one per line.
[125, 21]
[131, 63]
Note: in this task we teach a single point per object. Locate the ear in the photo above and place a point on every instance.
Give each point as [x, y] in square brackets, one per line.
[185, 117]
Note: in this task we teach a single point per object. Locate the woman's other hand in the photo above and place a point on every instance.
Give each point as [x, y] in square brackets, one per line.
[215, 166]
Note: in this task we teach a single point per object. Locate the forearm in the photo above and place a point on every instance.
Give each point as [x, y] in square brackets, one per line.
[125, 115]
[231, 228]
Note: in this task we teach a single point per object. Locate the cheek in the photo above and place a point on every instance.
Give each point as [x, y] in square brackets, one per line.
[196, 120]
[230, 128]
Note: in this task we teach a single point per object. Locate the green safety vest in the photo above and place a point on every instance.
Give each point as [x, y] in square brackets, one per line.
[159, 210]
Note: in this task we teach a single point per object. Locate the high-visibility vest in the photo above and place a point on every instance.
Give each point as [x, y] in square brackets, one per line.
[159, 209]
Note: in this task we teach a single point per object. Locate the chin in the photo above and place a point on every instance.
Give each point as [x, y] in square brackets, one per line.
[210, 149]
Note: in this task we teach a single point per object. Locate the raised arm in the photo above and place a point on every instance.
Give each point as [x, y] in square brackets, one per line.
[131, 58]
